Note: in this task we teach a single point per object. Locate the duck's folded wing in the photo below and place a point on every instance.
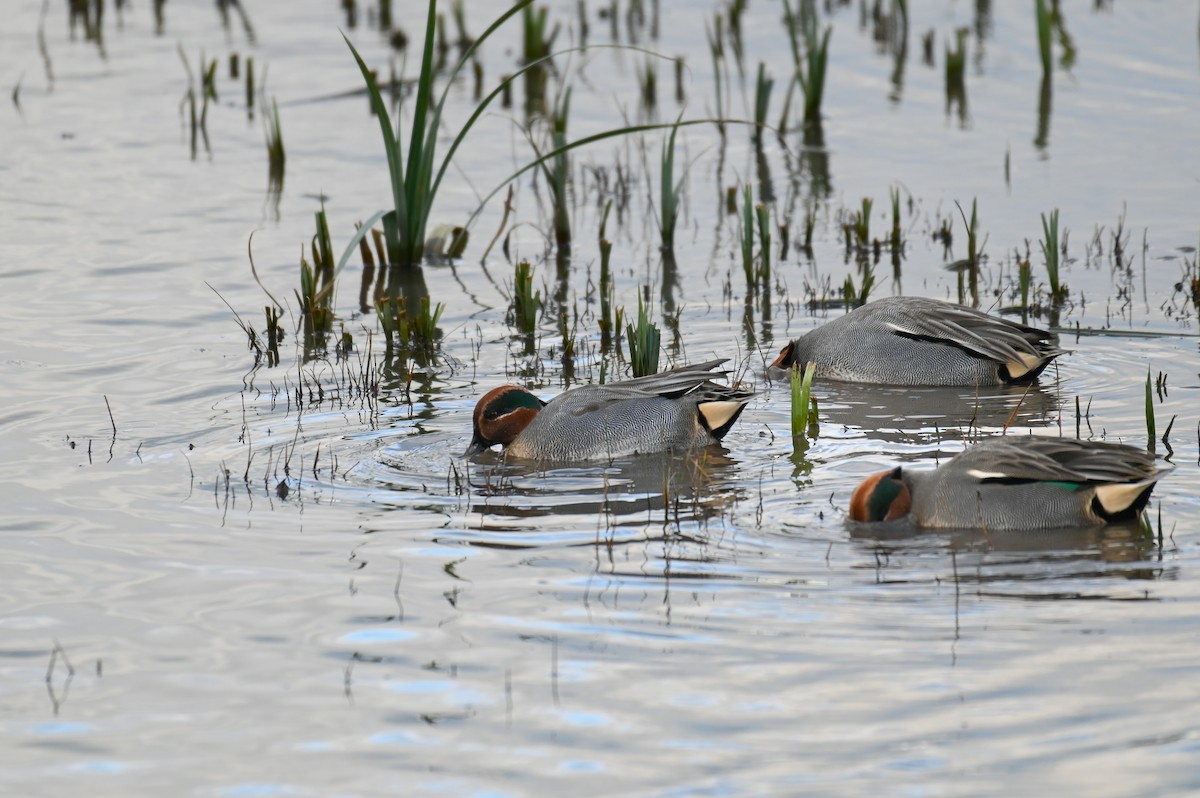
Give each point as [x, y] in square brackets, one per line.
[986, 336]
[1061, 460]
[672, 383]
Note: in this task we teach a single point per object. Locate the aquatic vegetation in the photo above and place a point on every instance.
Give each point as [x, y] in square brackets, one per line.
[1150, 428]
[526, 303]
[414, 183]
[643, 340]
[315, 295]
[804, 404]
[1050, 251]
[746, 238]
[763, 214]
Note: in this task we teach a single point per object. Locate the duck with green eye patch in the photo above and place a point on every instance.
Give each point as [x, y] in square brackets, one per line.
[676, 410]
[1016, 482]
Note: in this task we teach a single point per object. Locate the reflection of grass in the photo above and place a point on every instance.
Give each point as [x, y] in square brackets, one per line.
[762, 100]
[1042, 13]
[810, 66]
[557, 169]
[275, 154]
[198, 122]
[670, 191]
[606, 288]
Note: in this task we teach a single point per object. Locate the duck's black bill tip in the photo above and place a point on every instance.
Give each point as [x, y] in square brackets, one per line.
[475, 447]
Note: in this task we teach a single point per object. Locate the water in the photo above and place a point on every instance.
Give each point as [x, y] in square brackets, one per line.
[252, 589]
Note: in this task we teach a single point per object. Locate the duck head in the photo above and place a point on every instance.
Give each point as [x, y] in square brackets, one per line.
[500, 416]
[881, 497]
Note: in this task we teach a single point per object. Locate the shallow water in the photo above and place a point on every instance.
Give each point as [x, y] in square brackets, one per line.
[265, 582]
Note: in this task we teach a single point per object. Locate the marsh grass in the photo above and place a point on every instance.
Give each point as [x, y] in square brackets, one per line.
[804, 404]
[854, 297]
[526, 303]
[644, 340]
[315, 295]
[413, 180]
[1050, 252]
[763, 215]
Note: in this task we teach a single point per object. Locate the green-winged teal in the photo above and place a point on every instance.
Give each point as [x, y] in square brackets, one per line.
[920, 341]
[679, 409]
[1016, 482]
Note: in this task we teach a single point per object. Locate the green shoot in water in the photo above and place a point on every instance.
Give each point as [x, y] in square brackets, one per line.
[643, 343]
[1050, 251]
[804, 404]
[526, 302]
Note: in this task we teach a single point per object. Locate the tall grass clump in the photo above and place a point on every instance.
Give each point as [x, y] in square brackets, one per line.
[763, 215]
[804, 404]
[747, 238]
[1050, 251]
[526, 303]
[315, 295]
[644, 342]
[413, 179]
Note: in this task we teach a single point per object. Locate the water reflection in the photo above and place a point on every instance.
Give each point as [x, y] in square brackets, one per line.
[670, 488]
[910, 415]
[990, 558]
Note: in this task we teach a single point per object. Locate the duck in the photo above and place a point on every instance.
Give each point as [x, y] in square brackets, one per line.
[1016, 483]
[921, 341]
[676, 410]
